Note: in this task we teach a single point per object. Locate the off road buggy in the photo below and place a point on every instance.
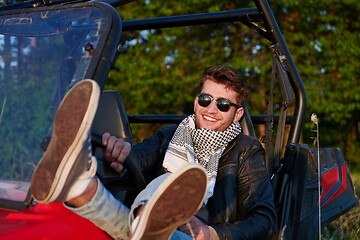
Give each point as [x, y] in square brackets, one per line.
[48, 46]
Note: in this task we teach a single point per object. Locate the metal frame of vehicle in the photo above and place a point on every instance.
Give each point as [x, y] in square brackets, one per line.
[289, 199]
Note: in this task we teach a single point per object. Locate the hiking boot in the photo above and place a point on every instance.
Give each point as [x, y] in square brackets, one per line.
[177, 199]
[68, 158]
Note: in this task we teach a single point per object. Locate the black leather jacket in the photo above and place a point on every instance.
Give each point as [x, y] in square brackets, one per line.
[242, 206]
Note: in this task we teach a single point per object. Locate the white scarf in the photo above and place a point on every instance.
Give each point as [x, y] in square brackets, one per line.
[201, 146]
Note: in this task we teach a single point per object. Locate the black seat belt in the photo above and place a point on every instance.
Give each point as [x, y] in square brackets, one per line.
[286, 94]
[269, 122]
[273, 154]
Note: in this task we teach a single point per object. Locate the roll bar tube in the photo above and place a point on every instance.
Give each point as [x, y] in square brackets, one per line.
[188, 20]
[294, 77]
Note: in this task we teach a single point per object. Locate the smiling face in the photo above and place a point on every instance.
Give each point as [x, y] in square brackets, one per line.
[211, 117]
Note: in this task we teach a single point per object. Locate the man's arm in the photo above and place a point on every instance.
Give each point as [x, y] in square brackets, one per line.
[149, 154]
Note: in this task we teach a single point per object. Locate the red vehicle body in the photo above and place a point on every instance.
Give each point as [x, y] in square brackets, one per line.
[46, 221]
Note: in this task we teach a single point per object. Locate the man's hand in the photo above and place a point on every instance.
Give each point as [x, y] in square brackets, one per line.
[196, 229]
[116, 151]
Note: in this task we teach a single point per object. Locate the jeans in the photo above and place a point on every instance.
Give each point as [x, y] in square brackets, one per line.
[113, 217]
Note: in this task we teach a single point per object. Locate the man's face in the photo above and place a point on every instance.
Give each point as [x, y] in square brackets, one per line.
[211, 117]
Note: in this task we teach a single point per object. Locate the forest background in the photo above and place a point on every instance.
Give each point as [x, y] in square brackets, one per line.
[158, 71]
[163, 66]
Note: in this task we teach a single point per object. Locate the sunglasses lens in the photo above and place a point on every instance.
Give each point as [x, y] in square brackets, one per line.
[204, 100]
[223, 105]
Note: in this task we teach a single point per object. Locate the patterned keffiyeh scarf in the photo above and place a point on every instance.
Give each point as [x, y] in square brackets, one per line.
[201, 146]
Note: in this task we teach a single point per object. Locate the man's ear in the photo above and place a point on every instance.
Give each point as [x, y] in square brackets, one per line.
[195, 104]
[238, 114]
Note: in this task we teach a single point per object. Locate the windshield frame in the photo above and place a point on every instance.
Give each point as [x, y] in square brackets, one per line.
[101, 59]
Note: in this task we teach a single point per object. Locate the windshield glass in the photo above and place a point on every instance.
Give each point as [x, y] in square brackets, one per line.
[42, 54]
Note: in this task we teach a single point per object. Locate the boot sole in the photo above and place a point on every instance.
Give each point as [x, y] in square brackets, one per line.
[179, 197]
[71, 127]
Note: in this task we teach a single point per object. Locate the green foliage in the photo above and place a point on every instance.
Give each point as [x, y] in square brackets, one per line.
[158, 71]
[25, 117]
[323, 37]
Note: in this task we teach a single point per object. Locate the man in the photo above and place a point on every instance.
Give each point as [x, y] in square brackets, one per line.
[238, 202]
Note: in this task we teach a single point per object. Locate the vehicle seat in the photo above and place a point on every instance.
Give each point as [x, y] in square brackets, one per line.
[111, 117]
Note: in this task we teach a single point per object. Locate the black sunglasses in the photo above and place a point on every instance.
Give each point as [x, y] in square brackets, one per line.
[222, 104]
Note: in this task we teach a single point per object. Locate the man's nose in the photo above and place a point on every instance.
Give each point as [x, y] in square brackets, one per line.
[212, 107]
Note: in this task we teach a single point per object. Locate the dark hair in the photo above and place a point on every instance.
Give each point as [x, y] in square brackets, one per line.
[228, 76]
